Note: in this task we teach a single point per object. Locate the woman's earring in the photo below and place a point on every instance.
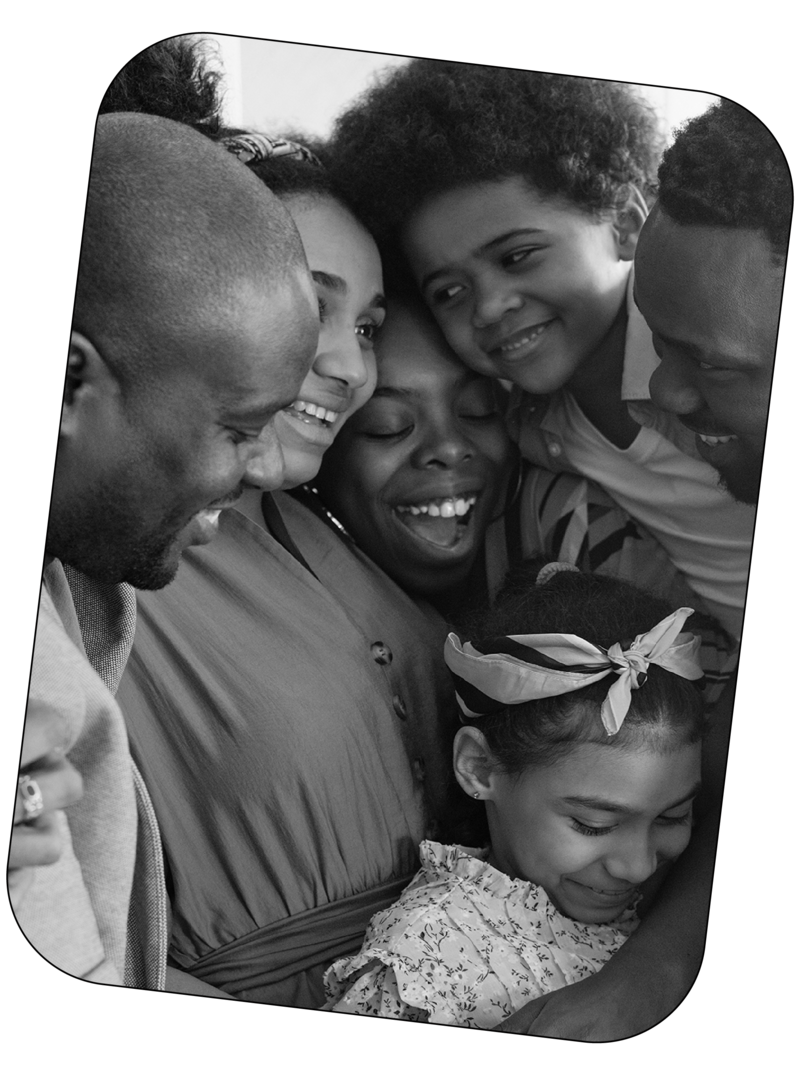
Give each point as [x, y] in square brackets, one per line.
[476, 795]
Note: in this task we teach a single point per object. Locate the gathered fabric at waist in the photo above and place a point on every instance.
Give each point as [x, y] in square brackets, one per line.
[284, 962]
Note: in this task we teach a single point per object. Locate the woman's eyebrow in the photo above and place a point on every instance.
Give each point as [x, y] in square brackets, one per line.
[597, 802]
[336, 284]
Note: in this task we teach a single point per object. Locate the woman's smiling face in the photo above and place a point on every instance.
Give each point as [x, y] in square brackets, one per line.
[524, 287]
[346, 269]
[420, 471]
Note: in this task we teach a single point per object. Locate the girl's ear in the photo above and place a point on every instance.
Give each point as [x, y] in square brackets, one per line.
[628, 223]
[473, 762]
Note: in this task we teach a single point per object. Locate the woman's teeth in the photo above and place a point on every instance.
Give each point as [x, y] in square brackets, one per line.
[446, 507]
[304, 409]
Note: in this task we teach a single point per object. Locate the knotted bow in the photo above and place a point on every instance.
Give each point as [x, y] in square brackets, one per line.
[510, 669]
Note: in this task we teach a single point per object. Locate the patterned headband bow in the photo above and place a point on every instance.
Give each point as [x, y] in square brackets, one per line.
[511, 669]
[253, 148]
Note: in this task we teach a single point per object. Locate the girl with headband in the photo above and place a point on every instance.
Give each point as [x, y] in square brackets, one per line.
[583, 747]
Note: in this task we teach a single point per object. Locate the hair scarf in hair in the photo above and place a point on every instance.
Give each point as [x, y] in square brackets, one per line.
[252, 148]
[492, 674]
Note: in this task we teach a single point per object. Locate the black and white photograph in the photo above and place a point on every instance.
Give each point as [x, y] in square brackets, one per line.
[401, 610]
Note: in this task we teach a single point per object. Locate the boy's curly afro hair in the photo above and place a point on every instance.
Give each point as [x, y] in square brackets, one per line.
[726, 169]
[431, 126]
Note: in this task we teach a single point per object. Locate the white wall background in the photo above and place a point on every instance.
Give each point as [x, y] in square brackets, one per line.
[276, 86]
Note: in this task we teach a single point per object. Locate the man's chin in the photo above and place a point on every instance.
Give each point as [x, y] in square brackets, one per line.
[153, 576]
[741, 483]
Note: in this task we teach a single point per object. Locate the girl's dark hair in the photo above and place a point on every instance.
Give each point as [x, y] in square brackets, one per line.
[431, 126]
[665, 712]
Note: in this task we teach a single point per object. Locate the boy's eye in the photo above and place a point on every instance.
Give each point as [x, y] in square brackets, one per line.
[323, 307]
[519, 256]
[446, 293]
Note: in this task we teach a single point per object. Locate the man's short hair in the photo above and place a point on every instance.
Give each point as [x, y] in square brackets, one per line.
[726, 169]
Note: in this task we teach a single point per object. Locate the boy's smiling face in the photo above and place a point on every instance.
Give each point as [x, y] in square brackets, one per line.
[525, 287]
[418, 473]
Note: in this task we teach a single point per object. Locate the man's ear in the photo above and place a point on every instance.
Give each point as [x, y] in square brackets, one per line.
[87, 376]
[628, 223]
[473, 762]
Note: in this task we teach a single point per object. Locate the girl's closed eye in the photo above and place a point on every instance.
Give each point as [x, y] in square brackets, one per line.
[590, 830]
[676, 819]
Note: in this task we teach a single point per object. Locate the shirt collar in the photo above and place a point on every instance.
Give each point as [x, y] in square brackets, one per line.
[640, 360]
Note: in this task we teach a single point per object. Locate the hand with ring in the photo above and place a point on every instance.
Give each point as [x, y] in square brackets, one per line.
[48, 782]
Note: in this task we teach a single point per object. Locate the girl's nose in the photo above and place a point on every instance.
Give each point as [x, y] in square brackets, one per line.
[633, 859]
[492, 300]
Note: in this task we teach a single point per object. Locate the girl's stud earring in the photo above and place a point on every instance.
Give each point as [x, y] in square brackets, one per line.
[476, 795]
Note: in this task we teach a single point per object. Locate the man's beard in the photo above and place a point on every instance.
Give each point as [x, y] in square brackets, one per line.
[99, 536]
[743, 480]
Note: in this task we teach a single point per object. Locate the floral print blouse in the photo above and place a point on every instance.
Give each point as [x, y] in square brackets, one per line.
[467, 945]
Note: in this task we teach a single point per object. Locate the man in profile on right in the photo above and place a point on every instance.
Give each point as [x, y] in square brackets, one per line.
[709, 279]
[709, 270]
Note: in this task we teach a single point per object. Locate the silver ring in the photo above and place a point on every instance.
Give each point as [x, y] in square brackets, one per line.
[31, 797]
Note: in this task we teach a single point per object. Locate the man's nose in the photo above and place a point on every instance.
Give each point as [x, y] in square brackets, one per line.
[672, 387]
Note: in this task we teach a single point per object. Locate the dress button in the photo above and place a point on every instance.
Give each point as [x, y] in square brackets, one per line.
[554, 449]
[381, 653]
[400, 708]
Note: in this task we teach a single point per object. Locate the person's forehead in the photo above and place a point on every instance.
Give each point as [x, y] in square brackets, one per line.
[629, 776]
[715, 287]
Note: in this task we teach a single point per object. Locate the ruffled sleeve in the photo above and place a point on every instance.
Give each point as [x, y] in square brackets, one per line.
[465, 945]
